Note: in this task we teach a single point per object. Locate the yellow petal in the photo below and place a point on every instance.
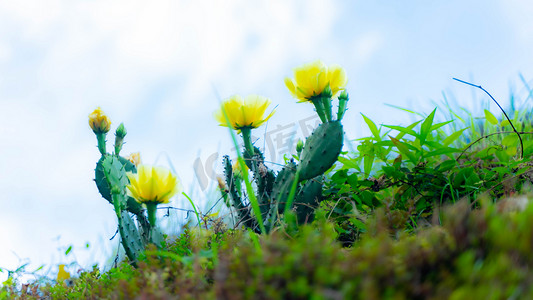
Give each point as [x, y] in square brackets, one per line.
[244, 112]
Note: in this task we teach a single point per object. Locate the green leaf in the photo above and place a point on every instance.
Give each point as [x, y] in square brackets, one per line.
[425, 128]
[348, 163]
[446, 165]
[404, 109]
[402, 129]
[510, 140]
[442, 151]
[368, 161]
[505, 123]
[491, 118]
[404, 149]
[39, 268]
[439, 125]
[68, 250]
[384, 144]
[401, 134]
[452, 137]
[373, 128]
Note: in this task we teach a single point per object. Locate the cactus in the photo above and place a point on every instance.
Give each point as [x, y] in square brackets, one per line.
[234, 193]
[295, 187]
[264, 178]
[321, 150]
[318, 154]
[282, 187]
[308, 200]
[111, 181]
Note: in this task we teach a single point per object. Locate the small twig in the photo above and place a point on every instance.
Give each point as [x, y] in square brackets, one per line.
[514, 129]
[486, 136]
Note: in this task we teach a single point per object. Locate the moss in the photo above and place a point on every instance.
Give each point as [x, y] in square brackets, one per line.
[474, 254]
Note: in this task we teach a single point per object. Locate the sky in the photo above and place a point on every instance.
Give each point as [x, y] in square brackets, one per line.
[161, 67]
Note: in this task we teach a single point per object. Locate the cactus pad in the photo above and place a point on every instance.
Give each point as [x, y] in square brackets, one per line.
[321, 150]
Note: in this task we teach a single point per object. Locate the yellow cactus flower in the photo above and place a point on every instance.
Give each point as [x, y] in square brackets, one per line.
[311, 80]
[152, 184]
[99, 122]
[134, 158]
[62, 274]
[244, 112]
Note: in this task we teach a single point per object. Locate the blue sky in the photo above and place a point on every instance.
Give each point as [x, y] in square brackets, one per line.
[156, 66]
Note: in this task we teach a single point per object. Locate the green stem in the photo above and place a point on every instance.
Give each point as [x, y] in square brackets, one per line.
[247, 137]
[194, 207]
[116, 202]
[151, 208]
[292, 192]
[101, 143]
[326, 101]
[118, 144]
[319, 106]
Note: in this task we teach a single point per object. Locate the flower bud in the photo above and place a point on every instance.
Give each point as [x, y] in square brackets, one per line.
[299, 147]
[121, 131]
[99, 122]
[134, 158]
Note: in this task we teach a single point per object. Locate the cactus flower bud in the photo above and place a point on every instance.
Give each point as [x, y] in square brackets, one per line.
[120, 133]
[134, 158]
[343, 100]
[299, 146]
[99, 122]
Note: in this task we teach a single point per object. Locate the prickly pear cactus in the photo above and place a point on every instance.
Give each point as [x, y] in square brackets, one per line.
[321, 150]
[100, 176]
[308, 200]
[130, 237]
[104, 188]
[263, 177]
[234, 192]
[282, 187]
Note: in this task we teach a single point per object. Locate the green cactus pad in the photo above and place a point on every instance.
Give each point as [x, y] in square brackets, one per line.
[265, 179]
[100, 178]
[282, 187]
[130, 237]
[116, 171]
[308, 199]
[321, 150]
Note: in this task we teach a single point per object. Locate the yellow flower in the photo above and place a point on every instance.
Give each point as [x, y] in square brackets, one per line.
[99, 122]
[310, 80]
[152, 184]
[244, 112]
[62, 274]
[134, 158]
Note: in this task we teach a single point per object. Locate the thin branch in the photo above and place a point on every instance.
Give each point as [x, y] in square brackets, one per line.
[514, 129]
